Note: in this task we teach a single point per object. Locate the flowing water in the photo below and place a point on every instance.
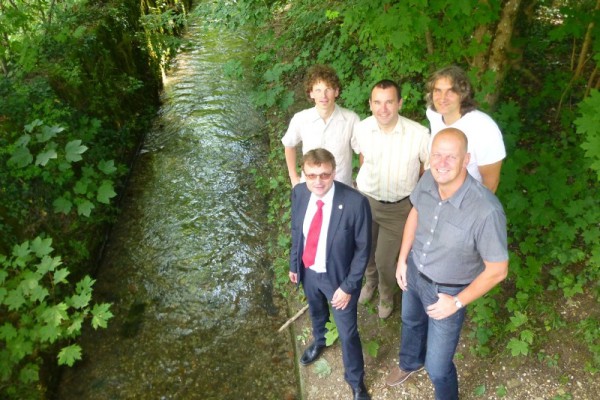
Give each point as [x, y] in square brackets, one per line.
[185, 267]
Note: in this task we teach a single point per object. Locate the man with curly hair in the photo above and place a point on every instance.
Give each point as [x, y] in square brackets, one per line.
[326, 125]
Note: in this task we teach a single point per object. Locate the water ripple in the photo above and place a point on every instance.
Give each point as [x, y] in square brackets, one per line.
[195, 315]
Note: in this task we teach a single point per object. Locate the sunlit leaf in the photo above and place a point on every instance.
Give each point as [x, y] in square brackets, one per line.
[29, 373]
[21, 346]
[41, 246]
[81, 186]
[7, 331]
[518, 347]
[85, 285]
[54, 315]
[372, 348]
[49, 333]
[73, 150]
[108, 167]
[38, 294]
[68, 355]
[85, 207]
[45, 156]
[106, 192]
[79, 301]
[34, 124]
[14, 300]
[60, 276]
[21, 250]
[48, 133]
[48, 264]
[62, 205]
[479, 390]
[101, 314]
[75, 326]
[21, 157]
[527, 336]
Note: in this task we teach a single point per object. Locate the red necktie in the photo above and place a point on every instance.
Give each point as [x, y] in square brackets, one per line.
[312, 239]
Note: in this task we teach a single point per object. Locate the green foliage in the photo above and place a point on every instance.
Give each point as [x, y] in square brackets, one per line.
[162, 22]
[39, 157]
[479, 390]
[549, 360]
[565, 396]
[483, 313]
[372, 348]
[520, 346]
[549, 183]
[501, 391]
[588, 329]
[588, 124]
[332, 332]
[40, 312]
[303, 337]
[322, 368]
[82, 78]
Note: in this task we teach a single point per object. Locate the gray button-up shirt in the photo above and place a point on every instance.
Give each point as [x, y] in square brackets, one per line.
[454, 236]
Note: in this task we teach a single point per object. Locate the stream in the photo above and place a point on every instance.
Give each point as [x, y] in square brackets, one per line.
[185, 267]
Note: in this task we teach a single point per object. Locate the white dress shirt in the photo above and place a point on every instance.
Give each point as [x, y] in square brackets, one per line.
[321, 256]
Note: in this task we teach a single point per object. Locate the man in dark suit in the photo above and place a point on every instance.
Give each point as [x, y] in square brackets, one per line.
[331, 242]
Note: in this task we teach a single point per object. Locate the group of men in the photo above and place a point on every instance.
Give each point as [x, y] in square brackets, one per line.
[423, 217]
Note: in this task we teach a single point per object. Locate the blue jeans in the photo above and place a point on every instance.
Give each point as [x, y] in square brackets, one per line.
[428, 342]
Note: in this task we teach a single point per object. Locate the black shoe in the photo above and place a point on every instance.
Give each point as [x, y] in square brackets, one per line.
[312, 353]
[360, 393]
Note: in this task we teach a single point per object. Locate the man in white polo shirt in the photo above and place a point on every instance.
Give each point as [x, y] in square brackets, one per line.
[326, 125]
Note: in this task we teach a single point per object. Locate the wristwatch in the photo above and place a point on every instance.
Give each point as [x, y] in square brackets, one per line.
[459, 305]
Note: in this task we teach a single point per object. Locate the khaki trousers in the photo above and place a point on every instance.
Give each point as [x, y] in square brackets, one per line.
[388, 226]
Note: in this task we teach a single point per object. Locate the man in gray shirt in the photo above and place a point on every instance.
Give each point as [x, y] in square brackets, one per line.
[454, 250]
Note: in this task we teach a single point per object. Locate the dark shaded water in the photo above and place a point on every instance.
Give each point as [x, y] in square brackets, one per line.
[185, 268]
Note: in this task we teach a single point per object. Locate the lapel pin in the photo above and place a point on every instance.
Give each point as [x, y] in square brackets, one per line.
[341, 206]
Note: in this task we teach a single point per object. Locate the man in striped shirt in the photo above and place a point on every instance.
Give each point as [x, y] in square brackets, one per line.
[393, 152]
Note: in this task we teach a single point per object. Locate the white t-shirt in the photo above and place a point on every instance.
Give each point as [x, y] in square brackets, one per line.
[336, 135]
[485, 139]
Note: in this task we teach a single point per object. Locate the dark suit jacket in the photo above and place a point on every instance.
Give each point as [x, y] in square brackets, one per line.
[348, 236]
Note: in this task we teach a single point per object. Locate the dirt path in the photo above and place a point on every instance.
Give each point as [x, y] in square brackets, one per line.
[556, 372]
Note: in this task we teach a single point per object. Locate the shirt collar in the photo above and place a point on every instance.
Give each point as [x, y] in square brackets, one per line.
[327, 199]
[398, 129]
[314, 116]
[457, 198]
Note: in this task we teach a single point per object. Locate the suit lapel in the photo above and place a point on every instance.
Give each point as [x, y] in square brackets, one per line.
[303, 204]
[337, 209]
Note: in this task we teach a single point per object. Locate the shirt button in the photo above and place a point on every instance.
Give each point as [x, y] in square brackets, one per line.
[428, 243]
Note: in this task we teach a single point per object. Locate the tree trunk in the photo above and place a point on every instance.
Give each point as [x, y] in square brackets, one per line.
[500, 46]
[480, 60]
[583, 54]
